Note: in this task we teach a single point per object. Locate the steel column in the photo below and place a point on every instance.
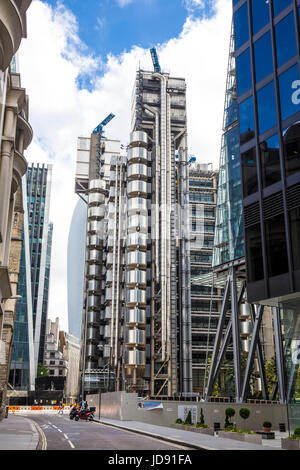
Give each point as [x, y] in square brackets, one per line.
[279, 355]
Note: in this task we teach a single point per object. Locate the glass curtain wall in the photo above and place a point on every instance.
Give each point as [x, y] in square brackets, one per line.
[229, 237]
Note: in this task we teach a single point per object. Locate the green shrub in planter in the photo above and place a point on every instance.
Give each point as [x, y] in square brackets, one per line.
[201, 417]
[244, 413]
[199, 425]
[297, 432]
[229, 413]
[188, 420]
[230, 428]
[295, 435]
[178, 421]
[267, 424]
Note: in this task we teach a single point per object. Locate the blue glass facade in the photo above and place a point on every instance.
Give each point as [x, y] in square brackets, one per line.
[229, 236]
[270, 151]
[39, 236]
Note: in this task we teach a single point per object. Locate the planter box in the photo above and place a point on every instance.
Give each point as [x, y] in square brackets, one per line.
[290, 444]
[208, 431]
[237, 436]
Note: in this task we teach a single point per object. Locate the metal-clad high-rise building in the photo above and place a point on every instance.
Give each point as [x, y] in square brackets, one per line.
[136, 326]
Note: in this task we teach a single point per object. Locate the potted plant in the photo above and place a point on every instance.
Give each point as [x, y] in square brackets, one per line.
[188, 420]
[267, 426]
[178, 421]
[229, 413]
[244, 413]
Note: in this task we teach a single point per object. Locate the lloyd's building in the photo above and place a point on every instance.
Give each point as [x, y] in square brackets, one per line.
[137, 251]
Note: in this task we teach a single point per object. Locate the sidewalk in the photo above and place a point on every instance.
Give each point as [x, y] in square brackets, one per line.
[190, 439]
[18, 433]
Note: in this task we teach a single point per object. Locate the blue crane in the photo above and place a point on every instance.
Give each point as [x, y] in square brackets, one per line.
[155, 60]
[105, 121]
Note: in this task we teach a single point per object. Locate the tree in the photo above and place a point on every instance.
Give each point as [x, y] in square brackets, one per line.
[271, 374]
[229, 413]
[188, 419]
[42, 370]
[244, 413]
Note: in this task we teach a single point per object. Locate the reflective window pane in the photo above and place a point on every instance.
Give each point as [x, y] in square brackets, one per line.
[289, 91]
[266, 106]
[279, 5]
[246, 118]
[260, 14]
[294, 217]
[243, 70]
[249, 172]
[241, 28]
[263, 57]
[286, 46]
[291, 149]
[276, 245]
[270, 162]
[255, 269]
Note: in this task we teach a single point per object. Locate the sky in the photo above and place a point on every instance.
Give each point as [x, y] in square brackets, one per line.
[78, 65]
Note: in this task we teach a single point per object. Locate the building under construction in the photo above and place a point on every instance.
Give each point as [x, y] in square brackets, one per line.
[136, 327]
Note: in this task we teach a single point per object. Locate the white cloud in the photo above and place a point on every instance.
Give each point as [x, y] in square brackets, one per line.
[51, 60]
[123, 3]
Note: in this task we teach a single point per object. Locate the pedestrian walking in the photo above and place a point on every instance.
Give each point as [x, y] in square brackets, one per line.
[61, 408]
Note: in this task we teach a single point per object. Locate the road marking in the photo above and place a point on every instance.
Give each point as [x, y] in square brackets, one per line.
[44, 440]
[71, 444]
[73, 447]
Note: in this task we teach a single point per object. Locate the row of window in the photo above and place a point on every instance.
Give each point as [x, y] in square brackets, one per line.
[289, 94]
[201, 197]
[260, 12]
[286, 48]
[276, 245]
[270, 160]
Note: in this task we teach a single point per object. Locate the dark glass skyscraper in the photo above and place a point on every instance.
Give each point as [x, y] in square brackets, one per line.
[267, 51]
[31, 312]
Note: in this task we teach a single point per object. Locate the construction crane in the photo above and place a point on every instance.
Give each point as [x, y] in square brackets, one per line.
[155, 60]
[105, 121]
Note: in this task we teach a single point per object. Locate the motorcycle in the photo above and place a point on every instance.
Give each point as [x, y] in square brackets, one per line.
[87, 415]
[73, 412]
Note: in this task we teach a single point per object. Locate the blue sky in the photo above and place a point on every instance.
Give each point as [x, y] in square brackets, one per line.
[72, 86]
[106, 26]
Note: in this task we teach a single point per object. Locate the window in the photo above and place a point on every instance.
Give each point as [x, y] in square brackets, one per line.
[199, 183]
[243, 70]
[249, 172]
[51, 371]
[279, 5]
[263, 56]
[201, 197]
[241, 26]
[294, 218]
[286, 46]
[291, 146]
[52, 363]
[266, 106]
[260, 14]
[209, 213]
[269, 150]
[246, 120]
[289, 91]
[255, 271]
[276, 245]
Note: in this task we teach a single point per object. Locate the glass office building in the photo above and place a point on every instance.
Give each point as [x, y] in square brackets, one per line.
[32, 309]
[267, 47]
[229, 234]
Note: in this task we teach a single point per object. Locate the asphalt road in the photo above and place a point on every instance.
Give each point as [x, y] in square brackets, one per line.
[61, 433]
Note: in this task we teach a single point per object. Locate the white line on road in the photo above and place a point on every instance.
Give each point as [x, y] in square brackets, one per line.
[67, 438]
